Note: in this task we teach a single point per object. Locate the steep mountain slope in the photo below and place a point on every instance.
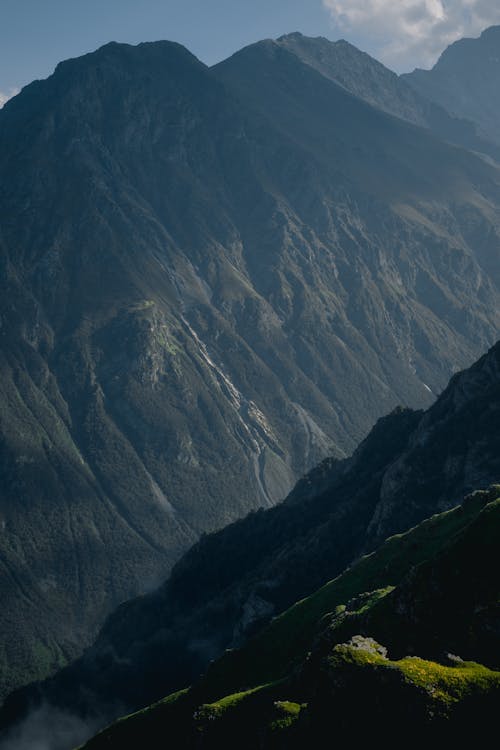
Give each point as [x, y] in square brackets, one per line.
[371, 81]
[122, 436]
[317, 668]
[465, 80]
[233, 582]
[203, 293]
[362, 144]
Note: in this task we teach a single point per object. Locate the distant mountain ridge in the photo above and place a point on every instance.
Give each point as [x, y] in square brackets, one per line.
[210, 281]
[371, 81]
[465, 80]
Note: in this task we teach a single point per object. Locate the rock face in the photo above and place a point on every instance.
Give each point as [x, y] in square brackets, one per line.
[210, 280]
[231, 583]
[465, 81]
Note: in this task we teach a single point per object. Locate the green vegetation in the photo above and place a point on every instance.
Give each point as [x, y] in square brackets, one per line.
[285, 641]
[170, 700]
[445, 684]
[449, 684]
[217, 708]
[341, 673]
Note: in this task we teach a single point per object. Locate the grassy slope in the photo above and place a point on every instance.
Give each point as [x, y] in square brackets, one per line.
[286, 640]
[266, 683]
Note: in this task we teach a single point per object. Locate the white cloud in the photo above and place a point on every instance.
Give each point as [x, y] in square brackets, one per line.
[406, 33]
[6, 95]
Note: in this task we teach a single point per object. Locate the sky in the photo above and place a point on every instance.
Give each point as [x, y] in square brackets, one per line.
[37, 34]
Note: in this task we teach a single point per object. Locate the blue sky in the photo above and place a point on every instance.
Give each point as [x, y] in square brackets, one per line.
[36, 34]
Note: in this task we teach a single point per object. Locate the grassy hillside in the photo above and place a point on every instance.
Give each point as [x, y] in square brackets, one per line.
[317, 668]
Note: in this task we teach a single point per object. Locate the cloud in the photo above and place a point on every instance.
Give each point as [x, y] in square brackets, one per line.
[47, 728]
[6, 95]
[409, 33]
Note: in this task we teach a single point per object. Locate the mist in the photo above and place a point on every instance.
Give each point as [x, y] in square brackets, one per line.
[48, 728]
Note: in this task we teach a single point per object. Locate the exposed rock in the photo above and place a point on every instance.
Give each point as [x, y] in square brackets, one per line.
[367, 644]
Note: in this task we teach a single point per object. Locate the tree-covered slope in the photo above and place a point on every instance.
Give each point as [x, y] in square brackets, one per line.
[430, 596]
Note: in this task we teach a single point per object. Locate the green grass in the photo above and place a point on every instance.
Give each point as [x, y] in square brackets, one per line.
[169, 700]
[449, 684]
[446, 684]
[284, 642]
[289, 714]
[227, 704]
[230, 701]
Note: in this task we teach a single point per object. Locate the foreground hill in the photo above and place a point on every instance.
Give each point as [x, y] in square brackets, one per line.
[430, 596]
[232, 583]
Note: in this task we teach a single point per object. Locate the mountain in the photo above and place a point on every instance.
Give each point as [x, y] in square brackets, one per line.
[229, 585]
[430, 597]
[210, 281]
[465, 81]
[368, 79]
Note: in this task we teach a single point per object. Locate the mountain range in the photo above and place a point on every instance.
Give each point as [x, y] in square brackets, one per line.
[211, 280]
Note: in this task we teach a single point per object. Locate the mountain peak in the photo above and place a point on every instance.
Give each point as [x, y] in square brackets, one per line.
[291, 36]
[356, 72]
[145, 53]
[83, 88]
[465, 81]
[492, 32]
[465, 53]
[368, 79]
